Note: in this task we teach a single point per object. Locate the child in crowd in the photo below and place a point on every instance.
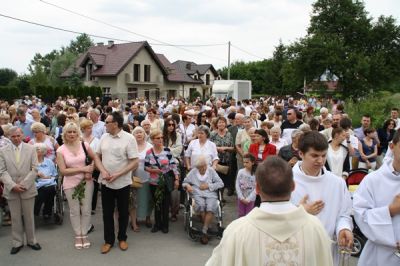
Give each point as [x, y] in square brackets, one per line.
[246, 185]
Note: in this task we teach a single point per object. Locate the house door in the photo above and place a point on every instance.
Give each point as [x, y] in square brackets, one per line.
[147, 94]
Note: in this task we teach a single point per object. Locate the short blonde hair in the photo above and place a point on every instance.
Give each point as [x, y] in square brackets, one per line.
[38, 127]
[138, 128]
[154, 133]
[70, 126]
[85, 123]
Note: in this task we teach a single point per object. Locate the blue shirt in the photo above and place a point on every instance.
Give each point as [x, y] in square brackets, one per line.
[47, 168]
[26, 127]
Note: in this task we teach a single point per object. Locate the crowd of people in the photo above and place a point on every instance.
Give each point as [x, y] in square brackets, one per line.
[287, 157]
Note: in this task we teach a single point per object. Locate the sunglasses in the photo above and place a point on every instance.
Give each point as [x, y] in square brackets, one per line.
[203, 116]
[171, 125]
[108, 122]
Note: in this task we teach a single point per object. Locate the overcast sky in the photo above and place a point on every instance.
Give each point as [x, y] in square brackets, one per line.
[255, 26]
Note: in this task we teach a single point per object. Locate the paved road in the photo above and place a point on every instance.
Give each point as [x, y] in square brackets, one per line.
[145, 248]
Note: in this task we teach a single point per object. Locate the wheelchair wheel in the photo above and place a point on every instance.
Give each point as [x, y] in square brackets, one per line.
[358, 245]
[59, 208]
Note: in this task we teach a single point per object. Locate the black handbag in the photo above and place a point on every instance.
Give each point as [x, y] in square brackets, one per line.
[169, 177]
[88, 160]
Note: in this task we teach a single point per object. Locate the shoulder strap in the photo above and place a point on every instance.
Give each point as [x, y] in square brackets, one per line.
[155, 157]
[84, 148]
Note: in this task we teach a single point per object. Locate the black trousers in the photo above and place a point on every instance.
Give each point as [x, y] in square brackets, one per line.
[94, 196]
[108, 198]
[45, 195]
[161, 212]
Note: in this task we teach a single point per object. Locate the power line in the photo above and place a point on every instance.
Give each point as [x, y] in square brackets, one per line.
[89, 34]
[244, 51]
[135, 33]
[61, 29]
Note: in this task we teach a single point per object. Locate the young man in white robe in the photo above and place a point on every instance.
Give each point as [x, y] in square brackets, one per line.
[276, 233]
[377, 211]
[322, 193]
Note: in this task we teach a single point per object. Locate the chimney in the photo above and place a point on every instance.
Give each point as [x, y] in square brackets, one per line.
[110, 43]
[100, 44]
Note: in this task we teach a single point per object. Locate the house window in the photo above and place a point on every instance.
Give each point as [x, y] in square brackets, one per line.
[147, 73]
[136, 72]
[132, 93]
[89, 72]
[157, 93]
[207, 79]
[106, 91]
[147, 94]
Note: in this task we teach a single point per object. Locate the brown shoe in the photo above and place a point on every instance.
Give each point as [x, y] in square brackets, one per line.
[204, 239]
[105, 248]
[123, 245]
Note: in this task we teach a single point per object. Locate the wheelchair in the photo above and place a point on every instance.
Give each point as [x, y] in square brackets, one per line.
[58, 202]
[193, 224]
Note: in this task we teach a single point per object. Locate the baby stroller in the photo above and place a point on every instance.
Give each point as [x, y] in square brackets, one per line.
[354, 179]
[193, 223]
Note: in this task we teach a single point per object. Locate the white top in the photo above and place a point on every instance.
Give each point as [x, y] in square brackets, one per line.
[332, 190]
[371, 212]
[336, 159]
[116, 151]
[195, 150]
[187, 133]
[279, 144]
[277, 207]
[140, 172]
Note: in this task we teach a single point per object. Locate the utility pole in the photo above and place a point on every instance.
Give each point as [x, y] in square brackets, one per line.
[229, 60]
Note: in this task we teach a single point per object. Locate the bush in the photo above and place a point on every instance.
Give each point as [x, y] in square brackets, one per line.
[377, 105]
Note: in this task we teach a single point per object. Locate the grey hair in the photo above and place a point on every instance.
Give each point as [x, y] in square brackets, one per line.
[13, 129]
[41, 146]
[145, 121]
[277, 129]
[296, 133]
[94, 110]
[200, 161]
[138, 128]
[305, 127]
[204, 129]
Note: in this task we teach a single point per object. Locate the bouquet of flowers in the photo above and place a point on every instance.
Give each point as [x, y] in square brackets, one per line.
[79, 192]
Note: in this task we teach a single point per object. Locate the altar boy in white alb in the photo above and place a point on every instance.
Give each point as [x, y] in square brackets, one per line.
[277, 233]
[377, 211]
[321, 192]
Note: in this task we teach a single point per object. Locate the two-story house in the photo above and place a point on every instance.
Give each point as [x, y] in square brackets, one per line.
[133, 70]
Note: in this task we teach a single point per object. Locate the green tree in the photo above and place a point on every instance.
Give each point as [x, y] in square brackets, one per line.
[22, 84]
[6, 76]
[80, 45]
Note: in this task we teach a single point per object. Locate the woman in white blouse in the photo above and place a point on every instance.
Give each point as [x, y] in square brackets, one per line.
[201, 146]
[337, 158]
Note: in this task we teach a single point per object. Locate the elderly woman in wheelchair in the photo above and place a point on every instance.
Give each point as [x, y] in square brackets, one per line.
[46, 183]
[202, 183]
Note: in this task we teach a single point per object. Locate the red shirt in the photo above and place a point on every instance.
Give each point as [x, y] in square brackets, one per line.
[269, 149]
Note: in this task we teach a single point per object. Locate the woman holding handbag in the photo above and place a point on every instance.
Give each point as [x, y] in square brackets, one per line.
[224, 142]
[173, 140]
[72, 160]
[164, 177]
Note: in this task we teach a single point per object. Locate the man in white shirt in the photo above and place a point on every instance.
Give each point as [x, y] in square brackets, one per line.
[377, 211]
[321, 192]
[274, 233]
[394, 114]
[119, 154]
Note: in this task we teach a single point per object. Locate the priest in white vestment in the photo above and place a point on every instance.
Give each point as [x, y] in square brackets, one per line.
[377, 211]
[277, 233]
[322, 193]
